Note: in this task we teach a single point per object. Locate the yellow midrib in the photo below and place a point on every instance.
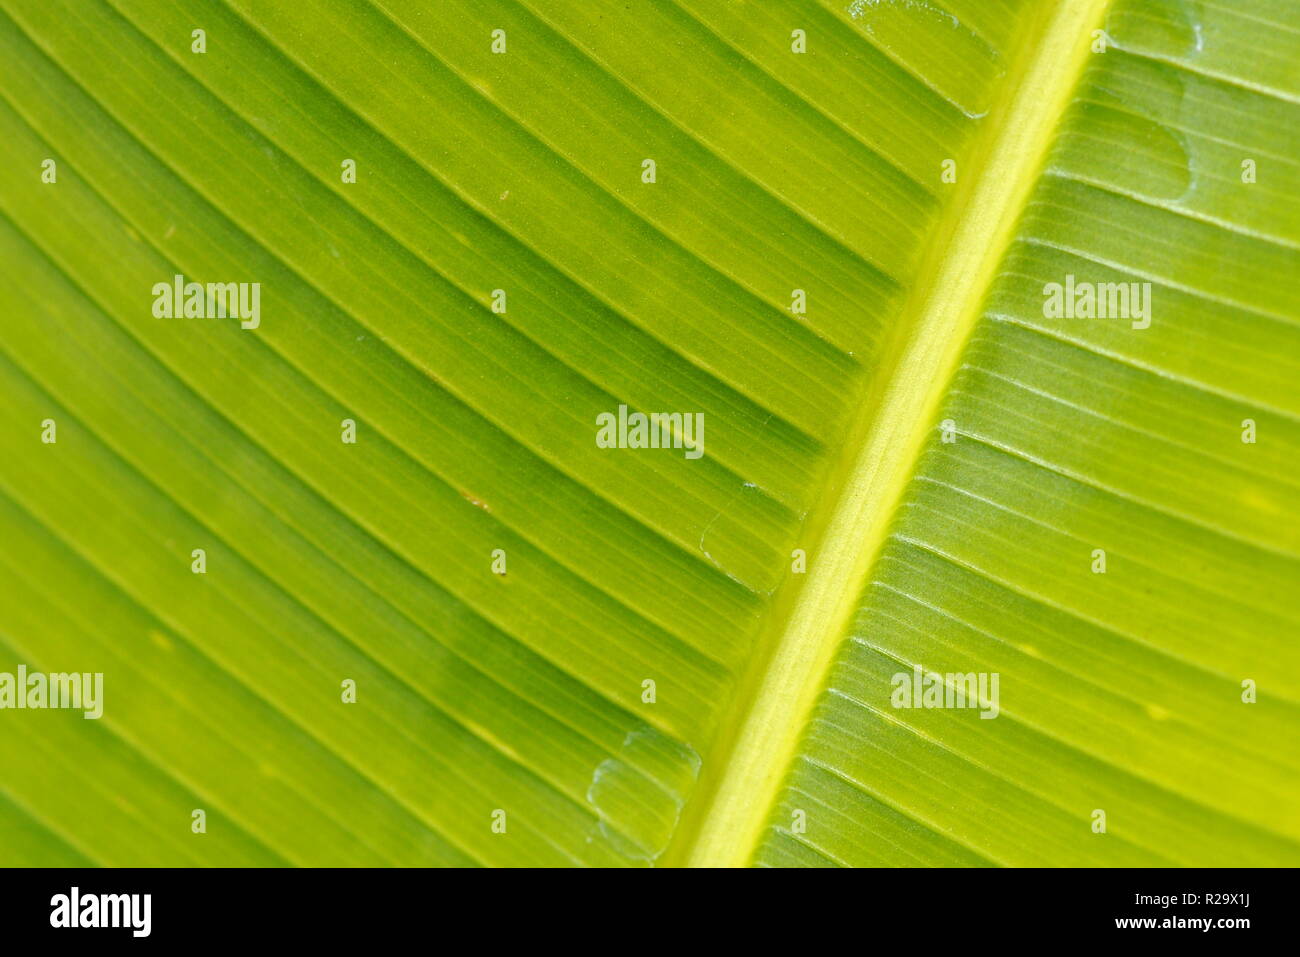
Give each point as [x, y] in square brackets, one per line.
[890, 432]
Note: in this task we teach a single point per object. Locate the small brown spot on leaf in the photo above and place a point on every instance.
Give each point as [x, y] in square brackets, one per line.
[474, 500]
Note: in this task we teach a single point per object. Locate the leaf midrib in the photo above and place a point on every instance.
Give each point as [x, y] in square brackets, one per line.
[737, 791]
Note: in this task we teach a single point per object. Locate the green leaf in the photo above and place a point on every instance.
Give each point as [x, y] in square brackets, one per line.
[476, 636]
